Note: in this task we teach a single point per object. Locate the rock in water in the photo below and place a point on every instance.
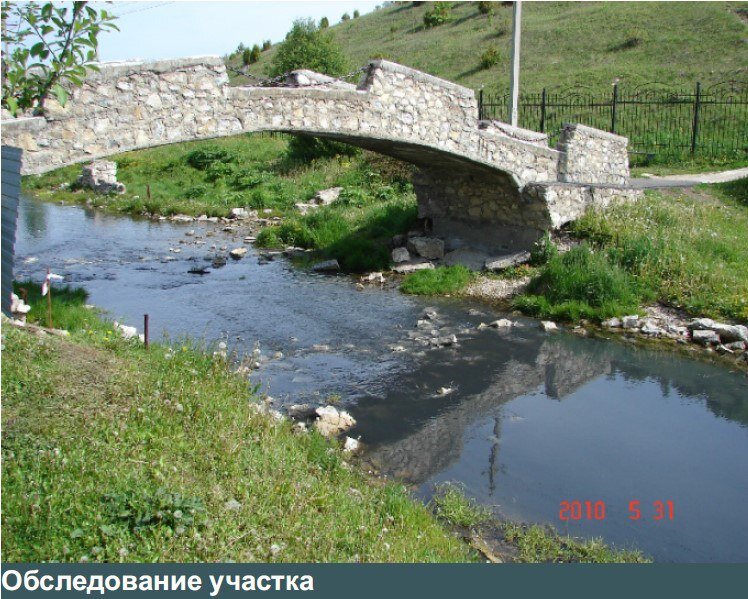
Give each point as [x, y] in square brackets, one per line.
[239, 213]
[327, 266]
[548, 326]
[331, 421]
[238, 253]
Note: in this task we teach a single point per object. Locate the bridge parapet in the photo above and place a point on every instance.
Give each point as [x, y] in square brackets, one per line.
[472, 177]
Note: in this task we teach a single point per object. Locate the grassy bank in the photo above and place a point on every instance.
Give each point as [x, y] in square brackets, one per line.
[114, 453]
[568, 43]
[686, 249]
[524, 543]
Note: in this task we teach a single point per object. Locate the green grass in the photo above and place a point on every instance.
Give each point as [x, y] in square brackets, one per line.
[564, 44]
[443, 280]
[68, 307]
[685, 249]
[210, 177]
[114, 453]
[538, 544]
[451, 505]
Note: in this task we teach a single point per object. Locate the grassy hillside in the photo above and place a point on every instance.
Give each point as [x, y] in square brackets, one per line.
[564, 44]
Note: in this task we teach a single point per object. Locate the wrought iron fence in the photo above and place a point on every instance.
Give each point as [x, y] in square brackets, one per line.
[658, 120]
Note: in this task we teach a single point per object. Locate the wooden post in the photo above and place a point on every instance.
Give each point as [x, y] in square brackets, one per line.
[49, 301]
[614, 107]
[146, 333]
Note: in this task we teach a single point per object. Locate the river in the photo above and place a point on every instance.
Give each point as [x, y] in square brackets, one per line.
[522, 420]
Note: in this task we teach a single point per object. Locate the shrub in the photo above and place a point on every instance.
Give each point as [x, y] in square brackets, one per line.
[491, 57]
[304, 148]
[196, 191]
[356, 14]
[254, 55]
[202, 158]
[543, 251]
[485, 8]
[307, 47]
[219, 170]
[582, 284]
[438, 14]
[246, 57]
[266, 45]
[345, 17]
[324, 23]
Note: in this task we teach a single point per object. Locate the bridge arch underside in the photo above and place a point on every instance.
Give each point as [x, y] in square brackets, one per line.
[464, 202]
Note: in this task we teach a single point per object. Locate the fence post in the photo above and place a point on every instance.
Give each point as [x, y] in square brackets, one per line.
[696, 110]
[480, 105]
[614, 106]
[542, 112]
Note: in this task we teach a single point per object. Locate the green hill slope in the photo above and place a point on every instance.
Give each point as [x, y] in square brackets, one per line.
[563, 44]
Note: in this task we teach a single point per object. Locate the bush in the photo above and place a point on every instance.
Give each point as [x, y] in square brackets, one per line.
[543, 251]
[307, 47]
[202, 158]
[246, 57]
[218, 171]
[582, 284]
[485, 8]
[196, 191]
[345, 17]
[254, 55]
[304, 148]
[266, 45]
[491, 57]
[438, 14]
[324, 23]
[356, 14]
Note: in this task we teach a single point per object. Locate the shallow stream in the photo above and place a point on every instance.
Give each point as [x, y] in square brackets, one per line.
[521, 419]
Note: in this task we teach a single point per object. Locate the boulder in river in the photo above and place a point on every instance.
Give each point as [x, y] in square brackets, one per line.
[238, 253]
[326, 266]
[332, 422]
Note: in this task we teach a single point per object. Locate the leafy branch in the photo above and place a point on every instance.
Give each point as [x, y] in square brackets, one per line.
[48, 46]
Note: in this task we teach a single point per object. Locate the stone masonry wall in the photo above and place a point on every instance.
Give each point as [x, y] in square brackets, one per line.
[592, 156]
[472, 178]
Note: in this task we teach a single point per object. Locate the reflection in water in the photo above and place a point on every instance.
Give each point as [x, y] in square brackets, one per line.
[534, 419]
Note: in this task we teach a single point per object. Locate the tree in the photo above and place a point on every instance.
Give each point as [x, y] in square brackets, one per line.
[48, 46]
[266, 45]
[345, 17]
[438, 14]
[246, 57]
[254, 55]
[356, 14]
[324, 23]
[307, 47]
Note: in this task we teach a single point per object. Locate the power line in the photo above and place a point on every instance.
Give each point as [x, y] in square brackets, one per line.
[130, 12]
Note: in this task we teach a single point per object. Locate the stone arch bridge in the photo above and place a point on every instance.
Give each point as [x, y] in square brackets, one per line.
[479, 183]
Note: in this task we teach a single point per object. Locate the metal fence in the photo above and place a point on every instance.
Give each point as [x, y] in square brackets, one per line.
[658, 120]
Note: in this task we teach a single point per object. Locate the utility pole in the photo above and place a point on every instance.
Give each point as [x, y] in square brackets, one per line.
[514, 81]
